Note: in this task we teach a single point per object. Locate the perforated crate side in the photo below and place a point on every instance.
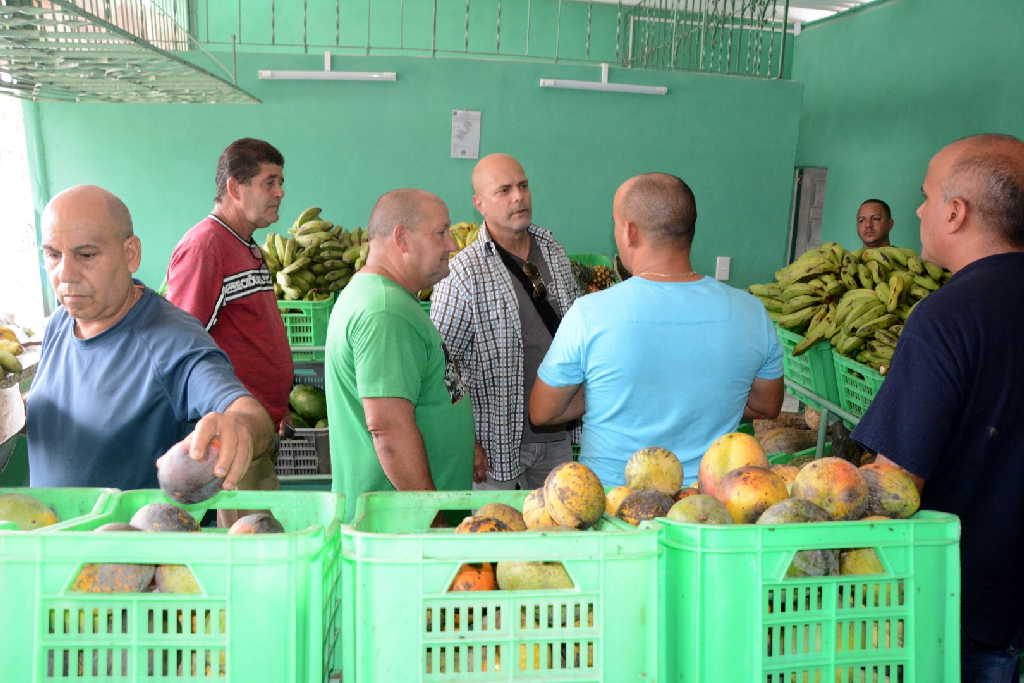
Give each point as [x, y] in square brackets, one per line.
[732, 614]
[857, 384]
[396, 565]
[219, 632]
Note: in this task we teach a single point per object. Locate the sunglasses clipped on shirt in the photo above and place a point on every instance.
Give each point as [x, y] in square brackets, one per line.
[540, 290]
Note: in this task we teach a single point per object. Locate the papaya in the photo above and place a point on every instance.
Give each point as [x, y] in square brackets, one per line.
[511, 517]
[535, 512]
[475, 576]
[613, 499]
[476, 524]
[186, 480]
[654, 468]
[644, 504]
[573, 495]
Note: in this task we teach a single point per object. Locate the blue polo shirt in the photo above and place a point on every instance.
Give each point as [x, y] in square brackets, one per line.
[665, 364]
[951, 410]
[102, 410]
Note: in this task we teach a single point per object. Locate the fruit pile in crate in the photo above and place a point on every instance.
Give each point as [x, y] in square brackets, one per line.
[317, 260]
[857, 300]
[528, 587]
[816, 573]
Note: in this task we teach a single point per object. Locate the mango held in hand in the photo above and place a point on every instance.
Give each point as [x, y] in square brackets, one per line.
[727, 453]
[573, 496]
[654, 468]
[186, 480]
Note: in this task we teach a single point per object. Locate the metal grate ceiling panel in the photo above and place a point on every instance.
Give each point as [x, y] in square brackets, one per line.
[104, 51]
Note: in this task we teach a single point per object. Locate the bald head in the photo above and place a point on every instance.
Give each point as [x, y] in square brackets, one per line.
[399, 207]
[661, 205]
[987, 171]
[92, 205]
[493, 165]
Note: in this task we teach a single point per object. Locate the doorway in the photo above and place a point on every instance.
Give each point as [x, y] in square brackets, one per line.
[808, 207]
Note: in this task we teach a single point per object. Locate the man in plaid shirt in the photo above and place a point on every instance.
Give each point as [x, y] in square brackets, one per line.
[497, 311]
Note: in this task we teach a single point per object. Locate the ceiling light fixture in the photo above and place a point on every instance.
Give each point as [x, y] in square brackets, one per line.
[327, 74]
[603, 85]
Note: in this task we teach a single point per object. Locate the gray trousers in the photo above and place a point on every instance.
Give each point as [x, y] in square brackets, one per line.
[537, 459]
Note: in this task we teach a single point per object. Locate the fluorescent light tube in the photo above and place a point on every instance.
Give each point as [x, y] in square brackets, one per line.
[270, 75]
[326, 74]
[603, 85]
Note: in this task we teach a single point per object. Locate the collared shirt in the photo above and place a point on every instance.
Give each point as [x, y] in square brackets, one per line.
[475, 309]
[223, 281]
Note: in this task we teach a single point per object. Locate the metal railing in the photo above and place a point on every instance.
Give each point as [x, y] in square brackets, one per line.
[108, 51]
[739, 37]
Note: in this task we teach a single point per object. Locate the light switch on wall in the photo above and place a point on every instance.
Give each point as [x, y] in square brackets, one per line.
[722, 264]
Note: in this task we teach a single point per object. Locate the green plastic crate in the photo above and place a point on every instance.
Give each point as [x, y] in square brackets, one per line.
[305, 322]
[402, 624]
[730, 613]
[857, 384]
[784, 458]
[812, 369]
[72, 505]
[267, 609]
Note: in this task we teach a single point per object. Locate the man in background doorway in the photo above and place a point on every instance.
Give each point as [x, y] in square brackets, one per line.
[874, 223]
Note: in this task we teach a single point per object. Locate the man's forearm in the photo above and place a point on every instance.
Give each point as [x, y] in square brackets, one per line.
[573, 410]
[403, 458]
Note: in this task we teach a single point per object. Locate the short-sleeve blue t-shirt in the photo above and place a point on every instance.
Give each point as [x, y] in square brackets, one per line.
[102, 410]
[666, 364]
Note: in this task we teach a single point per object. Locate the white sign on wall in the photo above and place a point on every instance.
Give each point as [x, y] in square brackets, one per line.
[465, 134]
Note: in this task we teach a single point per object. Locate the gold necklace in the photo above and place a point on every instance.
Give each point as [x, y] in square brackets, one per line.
[680, 275]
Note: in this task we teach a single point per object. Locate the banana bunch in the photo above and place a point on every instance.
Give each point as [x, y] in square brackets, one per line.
[10, 349]
[317, 260]
[464, 234]
[858, 300]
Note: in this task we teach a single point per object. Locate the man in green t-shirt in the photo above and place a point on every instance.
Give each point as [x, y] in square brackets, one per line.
[400, 417]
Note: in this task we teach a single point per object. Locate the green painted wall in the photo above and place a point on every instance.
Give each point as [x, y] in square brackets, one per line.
[733, 139]
[887, 86]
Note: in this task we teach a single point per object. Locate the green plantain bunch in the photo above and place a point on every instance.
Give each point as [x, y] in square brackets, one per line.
[858, 300]
[317, 260]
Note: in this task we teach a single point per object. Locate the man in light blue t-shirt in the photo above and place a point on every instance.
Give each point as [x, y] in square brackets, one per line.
[667, 358]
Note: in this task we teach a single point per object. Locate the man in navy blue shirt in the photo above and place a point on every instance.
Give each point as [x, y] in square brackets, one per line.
[951, 411]
[124, 374]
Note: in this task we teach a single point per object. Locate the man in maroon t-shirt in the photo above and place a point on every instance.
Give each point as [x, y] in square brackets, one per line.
[217, 274]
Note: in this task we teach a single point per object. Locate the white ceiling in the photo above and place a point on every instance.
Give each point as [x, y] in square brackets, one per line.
[809, 10]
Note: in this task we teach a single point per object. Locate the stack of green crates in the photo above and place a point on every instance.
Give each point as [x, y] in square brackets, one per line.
[856, 383]
[812, 369]
[306, 322]
[266, 609]
[402, 623]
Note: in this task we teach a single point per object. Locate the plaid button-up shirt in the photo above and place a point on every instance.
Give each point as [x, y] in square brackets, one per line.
[475, 309]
